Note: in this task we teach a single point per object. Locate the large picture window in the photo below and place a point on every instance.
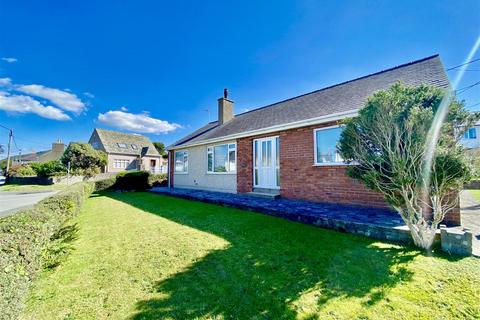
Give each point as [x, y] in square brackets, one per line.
[181, 161]
[326, 140]
[222, 158]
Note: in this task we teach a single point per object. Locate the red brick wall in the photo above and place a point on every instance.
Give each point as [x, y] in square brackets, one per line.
[299, 179]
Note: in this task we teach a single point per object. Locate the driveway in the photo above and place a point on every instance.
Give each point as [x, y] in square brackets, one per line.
[11, 202]
[470, 211]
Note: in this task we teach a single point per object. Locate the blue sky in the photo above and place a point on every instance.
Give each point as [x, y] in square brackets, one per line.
[75, 65]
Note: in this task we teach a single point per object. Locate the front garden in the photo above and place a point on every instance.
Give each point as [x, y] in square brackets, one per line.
[137, 255]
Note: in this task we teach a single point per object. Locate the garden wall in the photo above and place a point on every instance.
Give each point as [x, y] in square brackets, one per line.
[59, 180]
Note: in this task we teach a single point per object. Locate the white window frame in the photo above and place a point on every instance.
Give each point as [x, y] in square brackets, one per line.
[324, 164]
[175, 162]
[467, 135]
[121, 163]
[228, 157]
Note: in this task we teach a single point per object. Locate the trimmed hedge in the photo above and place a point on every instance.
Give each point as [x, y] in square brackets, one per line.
[105, 184]
[133, 180]
[158, 180]
[24, 239]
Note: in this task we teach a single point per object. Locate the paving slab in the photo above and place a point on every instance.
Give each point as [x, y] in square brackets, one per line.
[470, 213]
[377, 223]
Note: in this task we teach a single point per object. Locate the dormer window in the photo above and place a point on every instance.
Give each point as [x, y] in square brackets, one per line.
[134, 147]
[122, 145]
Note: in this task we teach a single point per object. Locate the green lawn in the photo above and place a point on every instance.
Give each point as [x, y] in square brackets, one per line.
[475, 193]
[30, 187]
[144, 256]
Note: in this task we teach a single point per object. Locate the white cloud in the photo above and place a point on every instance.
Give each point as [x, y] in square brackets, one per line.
[9, 60]
[123, 108]
[64, 100]
[136, 122]
[88, 95]
[25, 104]
[5, 82]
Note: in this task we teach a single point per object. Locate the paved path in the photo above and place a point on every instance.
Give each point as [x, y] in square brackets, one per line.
[11, 202]
[470, 211]
[376, 223]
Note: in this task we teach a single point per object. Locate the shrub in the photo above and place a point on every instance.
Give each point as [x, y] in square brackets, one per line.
[132, 180]
[157, 180]
[49, 169]
[83, 157]
[23, 170]
[24, 242]
[105, 184]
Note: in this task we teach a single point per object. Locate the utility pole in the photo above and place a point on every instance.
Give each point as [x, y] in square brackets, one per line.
[10, 135]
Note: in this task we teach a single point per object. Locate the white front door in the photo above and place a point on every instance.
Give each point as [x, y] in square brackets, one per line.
[266, 163]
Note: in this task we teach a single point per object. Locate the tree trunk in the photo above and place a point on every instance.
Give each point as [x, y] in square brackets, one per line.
[423, 233]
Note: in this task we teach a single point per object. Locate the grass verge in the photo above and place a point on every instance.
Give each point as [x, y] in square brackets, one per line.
[30, 187]
[475, 194]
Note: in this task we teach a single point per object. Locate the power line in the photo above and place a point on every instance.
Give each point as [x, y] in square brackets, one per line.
[469, 70]
[468, 62]
[474, 105]
[15, 143]
[1, 125]
[462, 90]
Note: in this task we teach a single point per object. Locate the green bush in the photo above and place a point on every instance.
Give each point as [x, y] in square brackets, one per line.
[132, 180]
[24, 244]
[83, 157]
[49, 169]
[23, 170]
[105, 184]
[157, 180]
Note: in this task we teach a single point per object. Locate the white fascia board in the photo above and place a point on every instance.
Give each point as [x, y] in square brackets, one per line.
[280, 127]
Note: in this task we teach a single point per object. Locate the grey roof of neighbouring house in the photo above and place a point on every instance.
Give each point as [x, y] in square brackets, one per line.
[111, 139]
[30, 156]
[343, 97]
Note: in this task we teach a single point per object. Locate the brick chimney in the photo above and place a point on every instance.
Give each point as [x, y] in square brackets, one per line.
[225, 108]
[58, 147]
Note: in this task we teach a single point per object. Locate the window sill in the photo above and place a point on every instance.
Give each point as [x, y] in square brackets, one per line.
[222, 173]
[180, 173]
[332, 164]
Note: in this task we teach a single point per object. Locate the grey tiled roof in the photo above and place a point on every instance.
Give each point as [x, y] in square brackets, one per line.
[343, 97]
[111, 139]
[30, 156]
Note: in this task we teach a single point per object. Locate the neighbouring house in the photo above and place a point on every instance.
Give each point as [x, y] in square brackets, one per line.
[471, 138]
[127, 151]
[288, 148]
[55, 153]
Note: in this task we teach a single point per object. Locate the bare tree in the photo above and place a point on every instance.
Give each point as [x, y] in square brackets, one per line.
[386, 144]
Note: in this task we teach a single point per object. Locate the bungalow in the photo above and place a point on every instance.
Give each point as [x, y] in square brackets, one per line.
[58, 148]
[288, 148]
[127, 151]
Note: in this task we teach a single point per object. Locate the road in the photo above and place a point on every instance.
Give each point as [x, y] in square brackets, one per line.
[11, 202]
[470, 210]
